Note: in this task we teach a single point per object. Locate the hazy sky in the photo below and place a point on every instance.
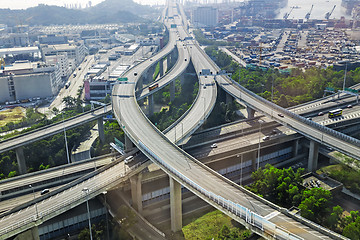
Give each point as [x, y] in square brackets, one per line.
[21, 4]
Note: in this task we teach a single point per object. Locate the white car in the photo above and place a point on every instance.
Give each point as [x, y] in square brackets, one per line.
[214, 145]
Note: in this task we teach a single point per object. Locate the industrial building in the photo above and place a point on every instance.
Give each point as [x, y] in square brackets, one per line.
[205, 17]
[74, 52]
[24, 80]
[63, 63]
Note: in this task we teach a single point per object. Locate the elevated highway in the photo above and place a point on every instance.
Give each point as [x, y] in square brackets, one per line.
[264, 218]
[97, 182]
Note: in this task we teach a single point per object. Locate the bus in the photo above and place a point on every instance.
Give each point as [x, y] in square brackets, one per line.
[335, 113]
[153, 87]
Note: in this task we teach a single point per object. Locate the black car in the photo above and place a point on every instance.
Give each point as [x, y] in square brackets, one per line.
[45, 191]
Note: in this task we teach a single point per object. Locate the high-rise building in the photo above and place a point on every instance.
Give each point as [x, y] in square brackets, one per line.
[205, 17]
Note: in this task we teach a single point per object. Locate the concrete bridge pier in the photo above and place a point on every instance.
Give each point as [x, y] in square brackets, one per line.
[295, 147]
[128, 144]
[21, 159]
[168, 62]
[313, 156]
[161, 72]
[229, 98]
[31, 234]
[100, 123]
[253, 160]
[151, 104]
[136, 192]
[140, 83]
[172, 91]
[250, 112]
[175, 205]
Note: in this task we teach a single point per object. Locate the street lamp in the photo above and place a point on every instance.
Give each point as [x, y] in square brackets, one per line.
[107, 221]
[37, 214]
[86, 190]
[258, 162]
[66, 144]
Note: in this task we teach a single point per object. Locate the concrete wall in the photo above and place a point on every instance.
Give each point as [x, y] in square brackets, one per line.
[35, 85]
[4, 90]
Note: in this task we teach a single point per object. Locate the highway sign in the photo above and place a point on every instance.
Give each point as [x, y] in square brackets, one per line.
[351, 90]
[330, 89]
[119, 143]
[122, 79]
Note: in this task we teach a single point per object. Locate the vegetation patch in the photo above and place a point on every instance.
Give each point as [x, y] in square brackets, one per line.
[344, 174]
[214, 225]
[13, 115]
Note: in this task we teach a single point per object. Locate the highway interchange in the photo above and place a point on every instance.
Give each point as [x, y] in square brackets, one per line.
[141, 131]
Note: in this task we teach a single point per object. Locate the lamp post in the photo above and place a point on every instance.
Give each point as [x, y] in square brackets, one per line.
[241, 167]
[86, 190]
[66, 144]
[37, 214]
[107, 221]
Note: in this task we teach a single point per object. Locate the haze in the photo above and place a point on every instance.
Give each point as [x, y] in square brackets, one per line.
[23, 4]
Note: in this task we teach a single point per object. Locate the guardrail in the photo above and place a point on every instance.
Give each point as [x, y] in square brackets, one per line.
[95, 189]
[322, 128]
[54, 124]
[235, 208]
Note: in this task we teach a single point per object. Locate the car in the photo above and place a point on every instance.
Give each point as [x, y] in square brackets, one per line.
[204, 86]
[275, 131]
[135, 73]
[214, 145]
[321, 113]
[349, 106]
[129, 159]
[185, 59]
[150, 59]
[309, 118]
[280, 115]
[266, 138]
[45, 191]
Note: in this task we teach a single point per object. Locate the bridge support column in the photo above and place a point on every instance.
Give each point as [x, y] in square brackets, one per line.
[31, 234]
[172, 91]
[136, 192]
[253, 160]
[100, 123]
[140, 83]
[128, 143]
[161, 71]
[151, 104]
[21, 160]
[250, 112]
[168, 62]
[313, 156]
[175, 205]
[295, 147]
[229, 98]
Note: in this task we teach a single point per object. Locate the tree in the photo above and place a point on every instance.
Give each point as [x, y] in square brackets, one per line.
[315, 204]
[335, 218]
[69, 101]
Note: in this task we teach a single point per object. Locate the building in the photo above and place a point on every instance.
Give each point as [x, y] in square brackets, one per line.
[75, 52]
[24, 80]
[53, 39]
[97, 87]
[14, 40]
[205, 17]
[63, 63]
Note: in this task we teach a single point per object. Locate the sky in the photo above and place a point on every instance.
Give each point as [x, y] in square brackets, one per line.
[22, 4]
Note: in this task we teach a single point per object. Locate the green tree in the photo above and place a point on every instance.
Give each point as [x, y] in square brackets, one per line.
[315, 204]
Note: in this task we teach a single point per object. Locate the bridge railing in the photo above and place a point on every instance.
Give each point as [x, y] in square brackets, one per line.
[235, 208]
[322, 128]
[94, 190]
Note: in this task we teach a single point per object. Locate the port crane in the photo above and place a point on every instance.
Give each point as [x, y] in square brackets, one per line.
[328, 14]
[286, 15]
[307, 16]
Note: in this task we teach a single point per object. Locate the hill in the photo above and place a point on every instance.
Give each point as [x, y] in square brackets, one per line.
[109, 11]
